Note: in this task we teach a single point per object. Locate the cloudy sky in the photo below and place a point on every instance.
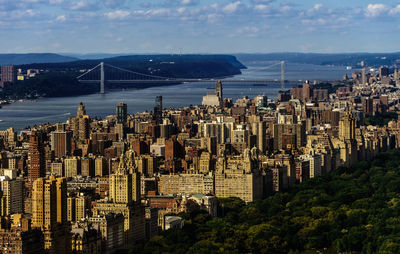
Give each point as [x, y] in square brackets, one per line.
[199, 26]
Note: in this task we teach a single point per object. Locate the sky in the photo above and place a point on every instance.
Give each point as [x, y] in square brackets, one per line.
[199, 26]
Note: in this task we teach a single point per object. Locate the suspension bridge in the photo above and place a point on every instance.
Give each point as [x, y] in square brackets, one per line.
[104, 72]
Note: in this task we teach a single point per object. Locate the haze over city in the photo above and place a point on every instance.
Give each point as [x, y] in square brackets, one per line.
[198, 26]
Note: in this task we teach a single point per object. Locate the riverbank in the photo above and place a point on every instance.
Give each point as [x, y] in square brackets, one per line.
[56, 109]
[60, 79]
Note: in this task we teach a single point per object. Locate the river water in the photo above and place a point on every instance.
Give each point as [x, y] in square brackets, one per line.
[24, 113]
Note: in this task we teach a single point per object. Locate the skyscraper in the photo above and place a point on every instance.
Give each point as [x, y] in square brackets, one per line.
[36, 165]
[158, 108]
[363, 76]
[122, 113]
[218, 90]
[121, 120]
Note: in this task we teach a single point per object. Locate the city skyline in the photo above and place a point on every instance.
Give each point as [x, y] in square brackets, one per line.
[194, 26]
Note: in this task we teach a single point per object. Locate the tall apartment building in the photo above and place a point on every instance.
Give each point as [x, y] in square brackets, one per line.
[78, 207]
[12, 200]
[80, 124]
[72, 166]
[49, 213]
[122, 113]
[87, 166]
[36, 160]
[100, 166]
[124, 197]
[17, 236]
[61, 143]
[239, 176]
[8, 75]
[111, 227]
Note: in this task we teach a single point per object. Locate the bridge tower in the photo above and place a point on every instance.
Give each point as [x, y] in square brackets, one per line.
[282, 75]
[102, 77]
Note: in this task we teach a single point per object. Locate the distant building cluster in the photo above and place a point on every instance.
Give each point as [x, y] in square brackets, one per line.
[97, 185]
[10, 75]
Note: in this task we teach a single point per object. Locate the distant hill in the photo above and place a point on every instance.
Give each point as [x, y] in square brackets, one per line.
[345, 59]
[60, 78]
[19, 59]
[89, 56]
[185, 66]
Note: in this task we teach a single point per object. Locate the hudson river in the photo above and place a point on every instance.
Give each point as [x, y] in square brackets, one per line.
[21, 114]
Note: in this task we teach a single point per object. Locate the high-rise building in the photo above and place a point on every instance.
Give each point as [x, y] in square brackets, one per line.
[239, 176]
[71, 208]
[77, 207]
[87, 166]
[80, 124]
[36, 162]
[8, 75]
[61, 143]
[72, 167]
[122, 113]
[100, 166]
[82, 206]
[363, 77]
[124, 185]
[57, 168]
[49, 213]
[158, 108]
[124, 197]
[112, 227]
[347, 127]
[12, 200]
[49, 202]
[383, 72]
[218, 91]
[17, 237]
[214, 99]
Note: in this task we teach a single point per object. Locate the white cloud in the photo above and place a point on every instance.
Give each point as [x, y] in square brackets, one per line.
[189, 2]
[248, 30]
[181, 10]
[286, 8]
[56, 1]
[375, 10]
[231, 7]
[262, 1]
[118, 14]
[114, 3]
[61, 18]
[318, 6]
[84, 5]
[261, 7]
[395, 10]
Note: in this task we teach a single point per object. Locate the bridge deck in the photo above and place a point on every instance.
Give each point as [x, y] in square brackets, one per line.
[194, 80]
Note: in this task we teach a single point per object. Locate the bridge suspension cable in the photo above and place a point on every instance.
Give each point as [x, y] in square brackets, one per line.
[265, 68]
[80, 76]
[120, 75]
[137, 73]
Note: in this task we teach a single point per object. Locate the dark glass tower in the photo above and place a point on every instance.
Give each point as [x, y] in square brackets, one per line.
[122, 112]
